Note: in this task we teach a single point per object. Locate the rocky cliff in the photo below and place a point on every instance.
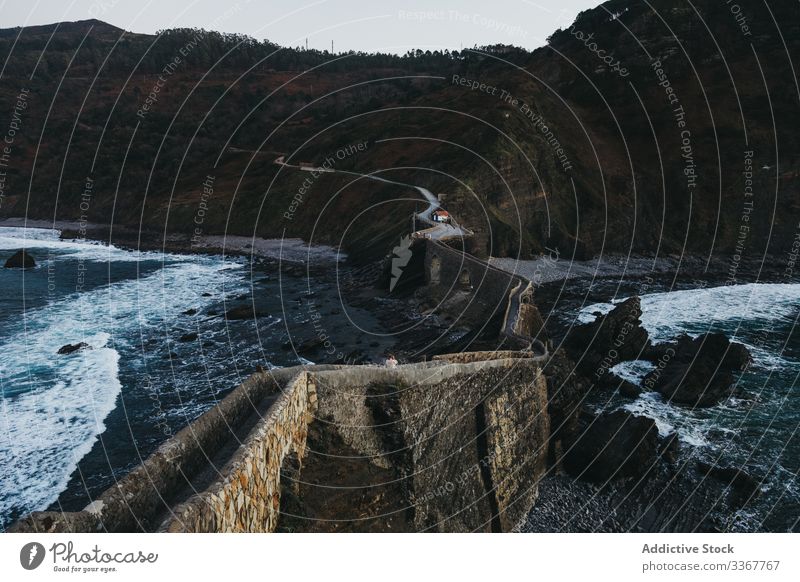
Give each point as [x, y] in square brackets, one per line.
[650, 127]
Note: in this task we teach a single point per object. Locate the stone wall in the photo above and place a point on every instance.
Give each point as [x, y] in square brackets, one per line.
[467, 357]
[141, 500]
[477, 293]
[246, 497]
[453, 269]
[473, 435]
[476, 434]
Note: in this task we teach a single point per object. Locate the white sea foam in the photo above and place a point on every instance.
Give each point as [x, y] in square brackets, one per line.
[668, 314]
[54, 406]
[633, 371]
[589, 313]
[46, 432]
[13, 238]
[729, 308]
[669, 419]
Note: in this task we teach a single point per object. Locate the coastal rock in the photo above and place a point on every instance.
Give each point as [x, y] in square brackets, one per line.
[610, 339]
[698, 371]
[614, 446]
[244, 312]
[566, 392]
[744, 486]
[629, 389]
[309, 345]
[22, 259]
[613, 382]
[190, 312]
[72, 348]
[188, 337]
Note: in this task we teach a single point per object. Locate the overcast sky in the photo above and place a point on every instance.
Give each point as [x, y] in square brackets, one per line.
[368, 25]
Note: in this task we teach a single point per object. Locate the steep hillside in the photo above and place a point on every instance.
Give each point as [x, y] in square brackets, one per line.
[631, 130]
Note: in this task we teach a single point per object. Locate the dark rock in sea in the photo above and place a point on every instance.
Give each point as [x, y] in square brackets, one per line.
[71, 348]
[293, 270]
[190, 312]
[613, 446]
[188, 337]
[610, 339]
[629, 389]
[744, 486]
[698, 372]
[212, 312]
[658, 352]
[669, 447]
[20, 260]
[244, 312]
[738, 356]
[613, 382]
[309, 345]
[205, 294]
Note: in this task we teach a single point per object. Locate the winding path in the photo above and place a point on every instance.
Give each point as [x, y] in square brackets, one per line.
[436, 231]
[440, 231]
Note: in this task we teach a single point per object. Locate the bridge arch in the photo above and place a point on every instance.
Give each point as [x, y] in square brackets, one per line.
[436, 270]
[464, 279]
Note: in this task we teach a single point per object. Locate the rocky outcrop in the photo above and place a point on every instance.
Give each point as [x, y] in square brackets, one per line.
[614, 446]
[698, 371]
[566, 391]
[624, 387]
[22, 259]
[598, 346]
[72, 348]
[628, 196]
[244, 312]
[744, 486]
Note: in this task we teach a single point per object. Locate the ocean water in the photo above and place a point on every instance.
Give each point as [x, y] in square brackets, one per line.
[70, 425]
[758, 432]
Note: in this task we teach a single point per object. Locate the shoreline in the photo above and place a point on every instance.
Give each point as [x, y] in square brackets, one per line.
[544, 271]
[289, 250]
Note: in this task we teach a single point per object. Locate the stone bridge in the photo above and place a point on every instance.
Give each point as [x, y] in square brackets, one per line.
[484, 292]
[456, 444]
